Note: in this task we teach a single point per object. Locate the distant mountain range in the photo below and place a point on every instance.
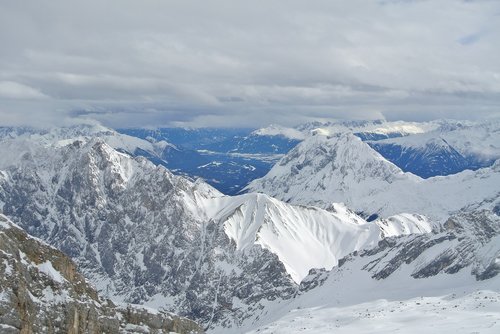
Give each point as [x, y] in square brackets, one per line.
[229, 159]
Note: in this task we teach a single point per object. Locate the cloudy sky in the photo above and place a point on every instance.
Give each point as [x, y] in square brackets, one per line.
[247, 63]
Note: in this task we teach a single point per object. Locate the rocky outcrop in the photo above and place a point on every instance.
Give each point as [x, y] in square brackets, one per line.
[468, 239]
[41, 291]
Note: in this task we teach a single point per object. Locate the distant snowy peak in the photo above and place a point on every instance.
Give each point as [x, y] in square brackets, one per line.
[444, 151]
[51, 135]
[339, 148]
[322, 170]
[277, 130]
[404, 128]
[81, 130]
[160, 152]
[340, 124]
[479, 139]
[374, 130]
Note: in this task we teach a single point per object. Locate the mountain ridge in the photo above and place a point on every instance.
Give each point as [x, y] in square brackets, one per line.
[342, 168]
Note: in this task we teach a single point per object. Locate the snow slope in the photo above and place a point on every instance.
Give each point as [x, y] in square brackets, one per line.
[473, 311]
[305, 237]
[342, 168]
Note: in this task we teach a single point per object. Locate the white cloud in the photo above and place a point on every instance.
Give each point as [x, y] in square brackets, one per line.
[232, 62]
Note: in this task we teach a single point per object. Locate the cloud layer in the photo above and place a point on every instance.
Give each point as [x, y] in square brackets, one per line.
[235, 63]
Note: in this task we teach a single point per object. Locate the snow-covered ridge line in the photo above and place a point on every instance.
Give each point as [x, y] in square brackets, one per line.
[480, 139]
[304, 237]
[399, 128]
[59, 137]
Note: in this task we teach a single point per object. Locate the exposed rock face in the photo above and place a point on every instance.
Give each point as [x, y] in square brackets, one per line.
[138, 233]
[467, 240]
[41, 291]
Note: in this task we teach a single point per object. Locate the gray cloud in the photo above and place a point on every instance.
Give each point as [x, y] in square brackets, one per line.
[235, 63]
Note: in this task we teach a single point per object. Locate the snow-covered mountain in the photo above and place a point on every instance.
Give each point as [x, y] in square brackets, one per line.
[228, 172]
[142, 234]
[136, 230]
[447, 150]
[446, 281]
[426, 149]
[305, 237]
[157, 151]
[371, 130]
[41, 291]
[342, 168]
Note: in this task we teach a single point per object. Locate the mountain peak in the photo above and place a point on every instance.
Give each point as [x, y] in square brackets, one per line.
[342, 168]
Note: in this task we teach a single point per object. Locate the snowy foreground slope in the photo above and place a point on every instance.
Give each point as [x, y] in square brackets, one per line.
[144, 235]
[342, 168]
[445, 282]
[469, 311]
